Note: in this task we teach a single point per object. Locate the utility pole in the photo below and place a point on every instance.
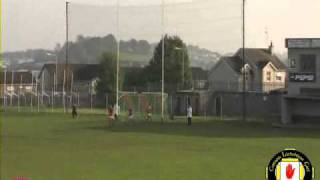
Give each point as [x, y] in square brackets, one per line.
[183, 68]
[5, 89]
[162, 68]
[67, 55]
[19, 93]
[118, 56]
[12, 87]
[31, 105]
[244, 109]
[56, 74]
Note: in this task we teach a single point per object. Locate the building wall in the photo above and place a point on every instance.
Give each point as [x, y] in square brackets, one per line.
[295, 109]
[261, 105]
[180, 101]
[223, 77]
[294, 87]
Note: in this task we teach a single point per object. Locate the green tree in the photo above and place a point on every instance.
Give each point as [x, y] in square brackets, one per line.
[177, 72]
[106, 83]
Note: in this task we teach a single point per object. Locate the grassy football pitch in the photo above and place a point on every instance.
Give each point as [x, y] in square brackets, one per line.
[53, 146]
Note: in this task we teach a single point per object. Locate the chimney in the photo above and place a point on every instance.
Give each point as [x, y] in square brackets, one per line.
[270, 48]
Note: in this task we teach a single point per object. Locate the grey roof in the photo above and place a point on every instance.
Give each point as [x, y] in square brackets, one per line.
[25, 76]
[199, 74]
[82, 72]
[260, 57]
[234, 62]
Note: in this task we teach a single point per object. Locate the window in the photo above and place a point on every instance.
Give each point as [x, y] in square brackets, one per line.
[308, 63]
[292, 63]
[278, 78]
[268, 76]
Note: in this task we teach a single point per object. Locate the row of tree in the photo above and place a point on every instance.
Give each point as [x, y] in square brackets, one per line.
[177, 73]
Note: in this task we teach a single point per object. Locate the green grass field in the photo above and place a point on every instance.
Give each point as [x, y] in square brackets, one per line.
[53, 146]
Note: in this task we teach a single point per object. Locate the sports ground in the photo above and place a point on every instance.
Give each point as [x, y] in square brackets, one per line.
[53, 146]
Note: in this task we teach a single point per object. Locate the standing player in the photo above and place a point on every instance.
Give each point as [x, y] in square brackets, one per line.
[189, 114]
[116, 111]
[110, 116]
[74, 111]
[149, 113]
[130, 115]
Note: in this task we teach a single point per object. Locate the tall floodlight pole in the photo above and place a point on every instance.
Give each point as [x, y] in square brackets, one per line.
[5, 89]
[56, 73]
[66, 68]
[71, 90]
[37, 82]
[52, 99]
[243, 64]
[118, 55]
[12, 88]
[182, 68]
[31, 105]
[19, 93]
[42, 88]
[162, 68]
[63, 92]
[54, 89]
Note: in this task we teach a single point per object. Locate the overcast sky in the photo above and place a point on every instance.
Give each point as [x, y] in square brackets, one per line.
[31, 24]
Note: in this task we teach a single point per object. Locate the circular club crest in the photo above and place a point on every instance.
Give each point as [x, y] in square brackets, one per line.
[290, 164]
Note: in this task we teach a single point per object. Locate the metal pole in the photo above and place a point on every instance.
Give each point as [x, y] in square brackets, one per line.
[78, 99]
[52, 99]
[5, 89]
[243, 64]
[71, 99]
[118, 54]
[19, 93]
[162, 57]
[52, 92]
[139, 106]
[63, 92]
[183, 68]
[56, 74]
[91, 99]
[54, 88]
[38, 96]
[67, 55]
[42, 88]
[31, 105]
[12, 88]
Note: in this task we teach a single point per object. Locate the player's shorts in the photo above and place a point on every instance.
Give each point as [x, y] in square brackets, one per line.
[149, 114]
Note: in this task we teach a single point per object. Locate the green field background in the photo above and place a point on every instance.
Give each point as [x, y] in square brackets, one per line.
[53, 146]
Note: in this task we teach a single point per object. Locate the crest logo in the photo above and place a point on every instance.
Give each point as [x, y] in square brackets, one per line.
[290, 164]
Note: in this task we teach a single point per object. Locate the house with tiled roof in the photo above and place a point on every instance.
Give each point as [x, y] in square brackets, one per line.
[80, 76]
[264, 72]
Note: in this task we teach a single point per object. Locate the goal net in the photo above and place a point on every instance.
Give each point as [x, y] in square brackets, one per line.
[133, 31]
[141, 102]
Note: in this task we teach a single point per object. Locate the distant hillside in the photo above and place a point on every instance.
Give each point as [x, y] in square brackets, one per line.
[89, 49]
[202, 57]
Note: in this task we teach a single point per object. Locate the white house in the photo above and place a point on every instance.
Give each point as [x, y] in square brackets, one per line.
[264, 72]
